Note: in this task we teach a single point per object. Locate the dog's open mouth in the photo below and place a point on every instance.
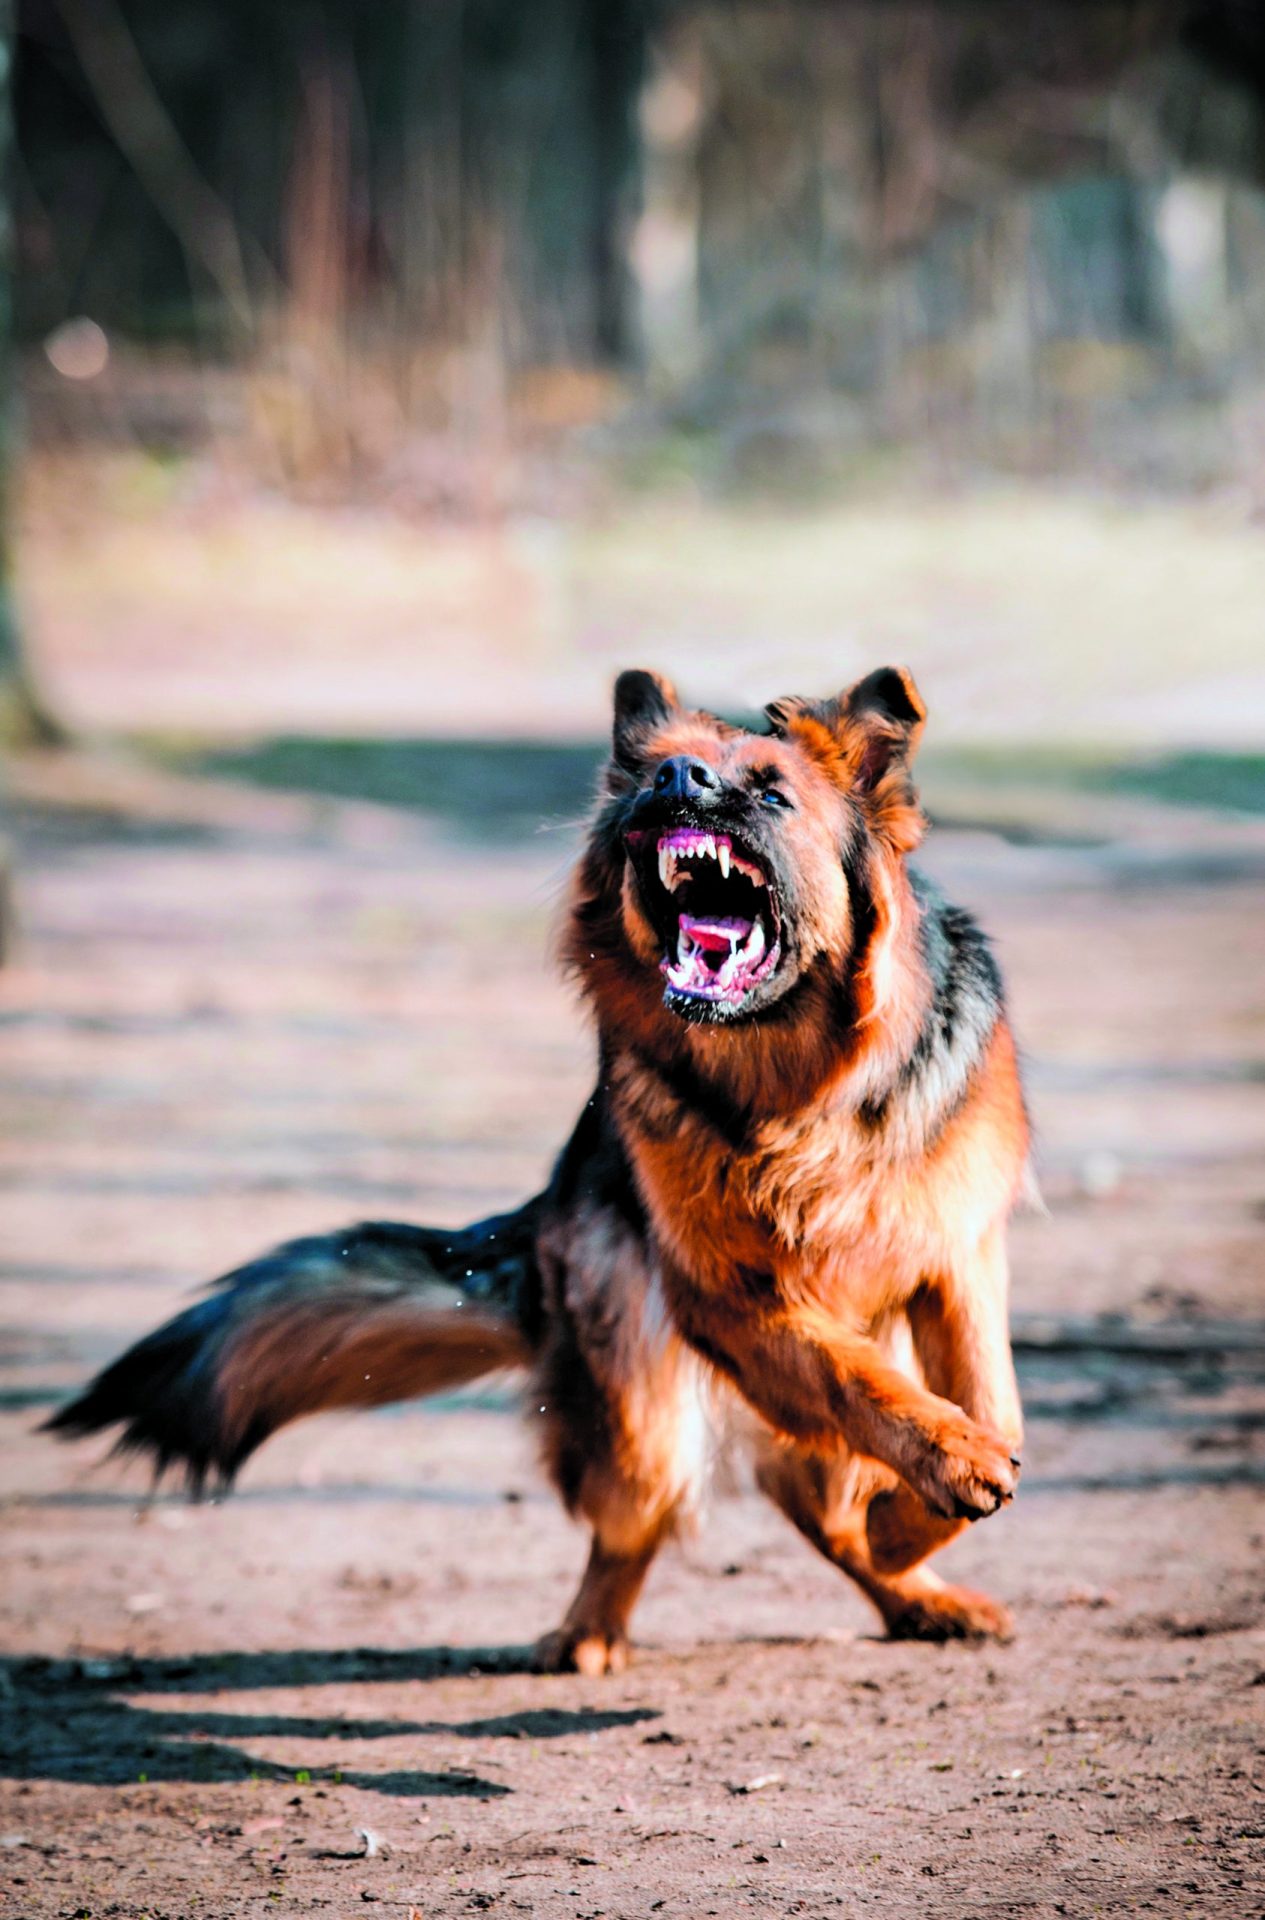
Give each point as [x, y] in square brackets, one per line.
[725, 939]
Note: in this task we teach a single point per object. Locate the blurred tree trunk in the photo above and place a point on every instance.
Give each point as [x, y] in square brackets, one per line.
[24, 720]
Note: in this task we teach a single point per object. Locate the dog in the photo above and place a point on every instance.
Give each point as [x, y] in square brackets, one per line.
[788, 1193]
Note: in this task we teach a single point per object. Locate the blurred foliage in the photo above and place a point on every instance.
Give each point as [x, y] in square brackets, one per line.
[412, 250]
[357, 156]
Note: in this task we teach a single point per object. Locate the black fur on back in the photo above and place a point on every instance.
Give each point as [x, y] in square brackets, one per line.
[967, 1000]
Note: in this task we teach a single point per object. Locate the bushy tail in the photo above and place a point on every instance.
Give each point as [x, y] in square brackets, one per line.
[381, 1312]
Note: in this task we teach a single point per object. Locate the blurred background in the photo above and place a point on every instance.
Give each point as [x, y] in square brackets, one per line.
[381, 379]
[385, 378]
[410, 367]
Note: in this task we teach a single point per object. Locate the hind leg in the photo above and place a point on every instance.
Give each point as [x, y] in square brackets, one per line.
[593, 1637]
[828, 1501]
[625, 1432]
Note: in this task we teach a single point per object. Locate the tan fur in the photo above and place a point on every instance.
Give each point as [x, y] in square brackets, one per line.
[796, 1260]
[792, 1205]
[292, 1363]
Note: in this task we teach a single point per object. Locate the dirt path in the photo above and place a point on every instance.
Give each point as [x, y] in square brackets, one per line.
[234, 1020]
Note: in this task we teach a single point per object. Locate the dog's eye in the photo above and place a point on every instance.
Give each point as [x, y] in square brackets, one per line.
[774, 797]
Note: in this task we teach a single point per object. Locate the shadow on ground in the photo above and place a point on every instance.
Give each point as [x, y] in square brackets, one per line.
[64, 1720]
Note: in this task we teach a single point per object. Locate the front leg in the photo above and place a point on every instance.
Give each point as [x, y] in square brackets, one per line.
[825, 1389]
[961, 1329]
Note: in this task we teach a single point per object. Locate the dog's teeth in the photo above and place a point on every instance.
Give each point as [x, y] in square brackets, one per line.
[755, 944]
[722, 854]
[665, 859]
[680, 971]
[709, 847]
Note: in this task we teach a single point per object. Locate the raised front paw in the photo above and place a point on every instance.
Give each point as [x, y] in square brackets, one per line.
[581, 1649]
[964, 1471]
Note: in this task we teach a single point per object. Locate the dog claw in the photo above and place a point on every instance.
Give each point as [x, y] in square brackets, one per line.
[968, 1472]
[951, 1613]
[591, 1653]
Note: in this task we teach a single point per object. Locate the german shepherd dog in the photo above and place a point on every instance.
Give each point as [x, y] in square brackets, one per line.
[788, 1192]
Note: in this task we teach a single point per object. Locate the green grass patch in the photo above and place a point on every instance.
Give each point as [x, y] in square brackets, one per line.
[507, 790]
[480, 789]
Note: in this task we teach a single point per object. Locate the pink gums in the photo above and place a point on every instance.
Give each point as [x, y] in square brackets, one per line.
[685, 839]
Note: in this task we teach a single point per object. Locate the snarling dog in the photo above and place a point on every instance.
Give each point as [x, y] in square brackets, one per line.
[788, 1192]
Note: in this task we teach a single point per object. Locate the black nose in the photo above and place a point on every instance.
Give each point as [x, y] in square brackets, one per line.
[684, 778]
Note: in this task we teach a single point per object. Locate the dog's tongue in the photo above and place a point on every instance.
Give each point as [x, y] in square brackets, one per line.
[716, 936]
[716, 959]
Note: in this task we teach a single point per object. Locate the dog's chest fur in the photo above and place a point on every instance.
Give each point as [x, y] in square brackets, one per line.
[849, 1208]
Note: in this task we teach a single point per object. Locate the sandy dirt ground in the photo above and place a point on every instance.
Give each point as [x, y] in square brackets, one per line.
[234, 1018]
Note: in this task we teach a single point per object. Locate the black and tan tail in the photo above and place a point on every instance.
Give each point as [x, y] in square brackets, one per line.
[378, 1313]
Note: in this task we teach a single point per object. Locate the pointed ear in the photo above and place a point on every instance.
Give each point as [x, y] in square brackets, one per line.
[865, 740]
[643, 702]
[870, 728]
[881, 719]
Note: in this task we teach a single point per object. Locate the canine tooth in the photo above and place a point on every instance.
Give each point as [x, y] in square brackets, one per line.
[665, 861]
[722, 855]
[755, 944]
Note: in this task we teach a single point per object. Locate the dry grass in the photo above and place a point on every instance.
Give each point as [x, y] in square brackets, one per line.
[157, 599]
